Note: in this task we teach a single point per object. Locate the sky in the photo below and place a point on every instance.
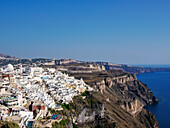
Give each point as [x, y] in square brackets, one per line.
[118, 31]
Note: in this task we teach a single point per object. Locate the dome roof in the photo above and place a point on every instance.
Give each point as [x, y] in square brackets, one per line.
[9, 68]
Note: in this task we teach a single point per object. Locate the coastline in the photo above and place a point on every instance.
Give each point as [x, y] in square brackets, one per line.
[158, 82]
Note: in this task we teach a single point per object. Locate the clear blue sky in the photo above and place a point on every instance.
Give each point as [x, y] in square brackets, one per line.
[120, 31]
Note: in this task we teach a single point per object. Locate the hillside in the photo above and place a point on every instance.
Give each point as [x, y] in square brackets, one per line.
[3, 56]
[118, 100]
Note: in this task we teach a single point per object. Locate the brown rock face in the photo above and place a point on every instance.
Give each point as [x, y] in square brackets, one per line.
[126, 95]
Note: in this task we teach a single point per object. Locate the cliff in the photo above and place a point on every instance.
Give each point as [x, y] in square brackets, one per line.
[132, 69]
[121, 98]
[81, 66]
[118, 97]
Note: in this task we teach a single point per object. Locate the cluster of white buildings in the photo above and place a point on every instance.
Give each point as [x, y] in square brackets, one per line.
[19, 86]
[63, 88]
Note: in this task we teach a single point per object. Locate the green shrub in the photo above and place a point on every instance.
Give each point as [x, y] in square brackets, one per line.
[61, 124]
[66, 106]
[85, 93]
[74, 125]
[5, 124]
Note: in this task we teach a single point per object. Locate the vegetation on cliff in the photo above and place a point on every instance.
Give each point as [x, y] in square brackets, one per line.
[6, 124]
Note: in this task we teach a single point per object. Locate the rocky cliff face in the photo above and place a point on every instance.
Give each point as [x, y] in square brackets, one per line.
[121, 93]
[96, 66]
[131, 69]
[88, 114]
[127, 91]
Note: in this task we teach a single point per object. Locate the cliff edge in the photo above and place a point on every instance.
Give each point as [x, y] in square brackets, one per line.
[120, 97]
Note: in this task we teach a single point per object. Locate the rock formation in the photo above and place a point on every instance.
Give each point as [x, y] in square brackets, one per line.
[122, 96]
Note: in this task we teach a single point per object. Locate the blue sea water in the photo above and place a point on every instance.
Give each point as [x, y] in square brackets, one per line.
[159, 83]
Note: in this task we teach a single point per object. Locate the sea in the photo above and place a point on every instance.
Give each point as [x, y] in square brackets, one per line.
[159, 83]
